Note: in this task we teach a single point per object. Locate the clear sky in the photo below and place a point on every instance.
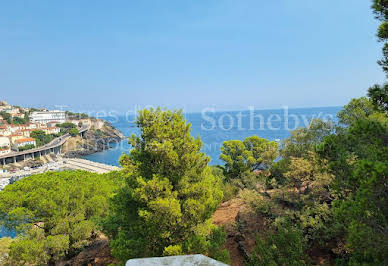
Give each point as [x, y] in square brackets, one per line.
[225, 53]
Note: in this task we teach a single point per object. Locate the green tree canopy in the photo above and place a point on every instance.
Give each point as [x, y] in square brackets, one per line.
[74, 132]
[41, 137]
[55, 213]
[170, 191]
[66, 125]
[356, 109]
[19, 121]
[379, 97]
[303, 140]
[285, 247]
[377, 93]
[253, 153]
[358, 158]
[6, 116]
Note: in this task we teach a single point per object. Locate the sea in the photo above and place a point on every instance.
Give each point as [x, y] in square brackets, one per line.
[216, 127]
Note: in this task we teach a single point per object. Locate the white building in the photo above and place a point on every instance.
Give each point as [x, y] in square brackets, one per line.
[25, 141]
[12, 111]
[48, 116]
[52, 130]
[5, 130]
[5, 145]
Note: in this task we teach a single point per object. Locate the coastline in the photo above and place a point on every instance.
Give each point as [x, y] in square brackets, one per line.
[97, 139]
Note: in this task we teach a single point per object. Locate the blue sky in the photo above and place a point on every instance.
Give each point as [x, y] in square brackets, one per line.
[190, 54]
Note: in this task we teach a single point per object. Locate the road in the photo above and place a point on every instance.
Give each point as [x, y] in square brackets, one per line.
[55, 143]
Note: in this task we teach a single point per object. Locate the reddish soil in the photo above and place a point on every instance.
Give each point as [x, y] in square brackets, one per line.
[96, 254]
[226, 215]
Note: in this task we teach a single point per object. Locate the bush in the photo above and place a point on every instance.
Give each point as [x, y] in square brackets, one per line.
[5, 242]
[41, 137]
[66, 125]
[73, 132]
[285, 246]
[230, 191]
[26, 147]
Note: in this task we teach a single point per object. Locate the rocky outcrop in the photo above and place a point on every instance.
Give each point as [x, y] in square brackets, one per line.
[98, 138]
[97, 253]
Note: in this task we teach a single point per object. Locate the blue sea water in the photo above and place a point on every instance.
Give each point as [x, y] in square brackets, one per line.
[216, 127]
[6, 233]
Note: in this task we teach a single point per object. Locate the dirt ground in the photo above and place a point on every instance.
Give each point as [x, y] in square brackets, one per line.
[226, 215]
[97, 254]
[241, 227]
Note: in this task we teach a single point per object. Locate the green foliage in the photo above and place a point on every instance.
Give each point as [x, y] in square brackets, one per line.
[170, 192]
[301, 144]
[364, 139]
[74, 132]
[66, 125]
[99, 133]
[301, 172]
[32, 109]
[216, 243]
[233, 154]
[286, 246]
[68, 128]
[36, 249]
[55, 213]
[6, 116]
[359, 108]
[26, 147]
[211, 245]
[5, 242]
[379, 97]
[277, 171]
[319, 225]
[364, 214]
[41, 137]
[229, 190]
[76, 116]
[253, 153]
[19, 121]
[358, 157]
[377, 93]
[303, 140]
[15, 120]
[380, 8]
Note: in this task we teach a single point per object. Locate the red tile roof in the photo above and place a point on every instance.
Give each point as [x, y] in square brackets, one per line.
[25, 140]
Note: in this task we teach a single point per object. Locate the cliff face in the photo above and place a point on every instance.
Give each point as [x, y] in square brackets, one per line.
[97, 139]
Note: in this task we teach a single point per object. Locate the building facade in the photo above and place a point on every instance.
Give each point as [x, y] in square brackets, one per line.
[25, 141]
[48, 116]
[5, 145]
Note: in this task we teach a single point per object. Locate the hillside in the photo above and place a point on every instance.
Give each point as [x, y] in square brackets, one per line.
[97, 139]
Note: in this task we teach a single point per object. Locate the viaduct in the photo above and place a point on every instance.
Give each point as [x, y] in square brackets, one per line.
[55, 147]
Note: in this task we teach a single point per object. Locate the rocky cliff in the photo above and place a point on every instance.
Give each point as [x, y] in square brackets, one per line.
[97, 139]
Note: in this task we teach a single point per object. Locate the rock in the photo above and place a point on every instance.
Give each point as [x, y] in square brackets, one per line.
[97, 139]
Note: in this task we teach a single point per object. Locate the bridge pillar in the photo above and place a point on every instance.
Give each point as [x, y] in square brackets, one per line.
[14, 159]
